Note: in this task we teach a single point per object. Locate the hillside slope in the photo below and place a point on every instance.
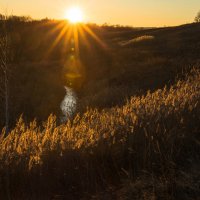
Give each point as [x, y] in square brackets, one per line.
[107, 75]
[152, 138]
[139, 66]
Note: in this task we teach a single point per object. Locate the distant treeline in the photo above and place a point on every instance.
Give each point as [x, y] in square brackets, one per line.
[17, 19]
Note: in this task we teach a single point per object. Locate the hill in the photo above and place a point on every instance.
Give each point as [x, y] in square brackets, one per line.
[105, 73]
[148, 147]
[135, 133]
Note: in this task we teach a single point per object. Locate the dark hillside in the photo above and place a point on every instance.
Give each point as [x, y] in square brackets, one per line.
[122, 62]
[146, 149]
[137, 66]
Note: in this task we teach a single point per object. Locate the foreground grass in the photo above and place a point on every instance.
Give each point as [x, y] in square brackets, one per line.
[147, 144]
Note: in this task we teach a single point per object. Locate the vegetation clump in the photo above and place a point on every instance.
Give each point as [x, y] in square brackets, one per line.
[154, 136]
[137, 40]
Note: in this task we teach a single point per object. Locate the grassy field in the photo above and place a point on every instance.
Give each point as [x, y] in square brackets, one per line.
[145, 149]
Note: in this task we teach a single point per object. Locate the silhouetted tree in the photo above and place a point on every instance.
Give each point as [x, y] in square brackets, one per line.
[19, 18]
[4, 83]
[197, 18]
[4, 70]
[2, 17]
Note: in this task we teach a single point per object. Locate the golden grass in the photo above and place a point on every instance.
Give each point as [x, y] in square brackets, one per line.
[137, 40]
[153, 132]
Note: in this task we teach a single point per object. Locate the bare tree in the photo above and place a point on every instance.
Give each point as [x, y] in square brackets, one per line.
[197, 18]
[4, 83]
[4, 67]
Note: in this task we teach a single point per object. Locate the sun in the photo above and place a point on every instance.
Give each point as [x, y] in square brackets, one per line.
[74, 15]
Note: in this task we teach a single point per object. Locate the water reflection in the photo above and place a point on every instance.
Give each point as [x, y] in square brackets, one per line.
[68, 105]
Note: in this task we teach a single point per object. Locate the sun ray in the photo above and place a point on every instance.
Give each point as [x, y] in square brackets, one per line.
[68, 36]
[82, 34]
[58, 27]
[88, 30]
[59, 37]
[76, 40]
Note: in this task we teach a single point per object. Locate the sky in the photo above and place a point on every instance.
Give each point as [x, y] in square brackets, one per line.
[138, 13]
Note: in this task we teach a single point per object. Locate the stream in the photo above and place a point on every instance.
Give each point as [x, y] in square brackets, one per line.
[68, 105]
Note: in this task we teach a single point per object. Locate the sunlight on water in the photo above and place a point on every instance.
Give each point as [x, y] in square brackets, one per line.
[68, 105]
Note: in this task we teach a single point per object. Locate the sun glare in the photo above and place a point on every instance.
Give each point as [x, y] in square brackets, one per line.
[74, 15]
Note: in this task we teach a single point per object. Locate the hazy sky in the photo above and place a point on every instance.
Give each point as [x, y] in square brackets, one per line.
[125, 12]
